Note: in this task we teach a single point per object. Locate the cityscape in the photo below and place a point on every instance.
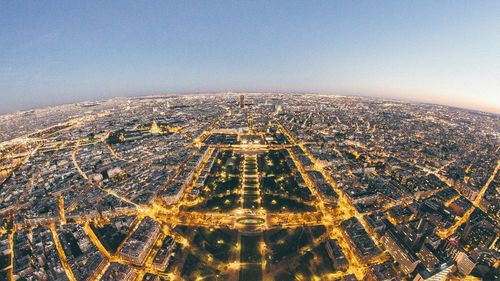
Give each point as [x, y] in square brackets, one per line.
[249, 186]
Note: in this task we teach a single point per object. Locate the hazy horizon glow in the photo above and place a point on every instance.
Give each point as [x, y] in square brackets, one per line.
[444, 52]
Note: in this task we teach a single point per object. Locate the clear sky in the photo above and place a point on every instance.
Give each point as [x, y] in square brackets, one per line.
[436, 51]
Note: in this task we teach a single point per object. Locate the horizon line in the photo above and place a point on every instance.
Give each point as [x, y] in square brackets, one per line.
[480, 109]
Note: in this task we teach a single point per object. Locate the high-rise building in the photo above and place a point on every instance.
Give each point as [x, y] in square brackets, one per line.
[449, 247]
[429, 260]
[242, 101]
[439, 274]
[399, 251]
[465, 264]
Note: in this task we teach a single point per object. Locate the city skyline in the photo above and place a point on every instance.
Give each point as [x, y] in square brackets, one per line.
[433, 52]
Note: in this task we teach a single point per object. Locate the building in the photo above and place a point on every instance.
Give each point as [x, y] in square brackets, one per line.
[440, 274]
[465, 264]
[449, 247]
[323, 187]
[242, 101]
[428, 258]
[155, 129]
[381, 272]
[174, 192]
[336, 255]
[359, 239]
[399, 251]
[117, 271]
[162, 257]
[350, 277]
[139, 245]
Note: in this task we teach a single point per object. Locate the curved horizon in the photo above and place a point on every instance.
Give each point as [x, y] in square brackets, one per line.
[490, 110]
[439, 52]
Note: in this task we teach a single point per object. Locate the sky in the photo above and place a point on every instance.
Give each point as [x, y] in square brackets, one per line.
[445, 52]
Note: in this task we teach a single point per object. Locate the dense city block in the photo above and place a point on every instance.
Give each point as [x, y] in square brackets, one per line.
[249, 187]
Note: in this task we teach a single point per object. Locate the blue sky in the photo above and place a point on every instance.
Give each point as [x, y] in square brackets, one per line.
[435, 51]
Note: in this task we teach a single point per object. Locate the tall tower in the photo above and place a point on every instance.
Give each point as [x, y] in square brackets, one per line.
[242, 101]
